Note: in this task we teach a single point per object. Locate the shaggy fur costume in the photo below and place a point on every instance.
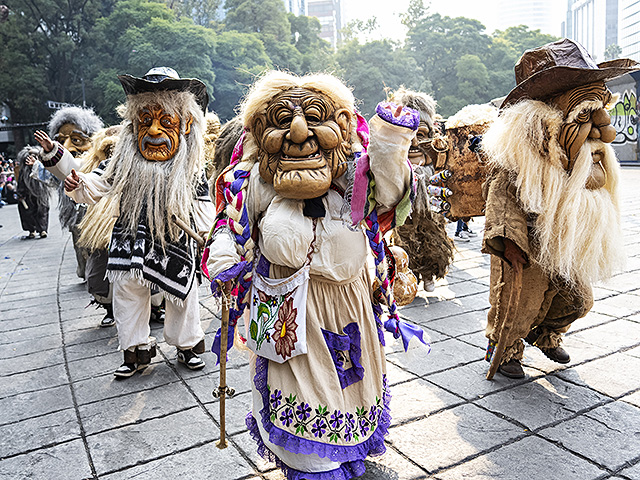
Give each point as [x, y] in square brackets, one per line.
[571, 235]
[97, 224]
[169, 187]
[84, 118]
[423, 235]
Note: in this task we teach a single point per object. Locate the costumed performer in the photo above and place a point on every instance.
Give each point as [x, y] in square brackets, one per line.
[552, 211]
[33, 195]
[423, 235]
[157, 172]
[72, 128]
[285, 246]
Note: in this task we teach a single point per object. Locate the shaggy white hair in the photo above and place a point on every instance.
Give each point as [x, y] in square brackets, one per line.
[576, 231]
[162, 189]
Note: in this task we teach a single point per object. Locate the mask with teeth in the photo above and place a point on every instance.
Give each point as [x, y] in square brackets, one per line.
[303, 142]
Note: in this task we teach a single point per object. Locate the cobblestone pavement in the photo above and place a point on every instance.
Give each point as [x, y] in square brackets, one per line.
[63, 416]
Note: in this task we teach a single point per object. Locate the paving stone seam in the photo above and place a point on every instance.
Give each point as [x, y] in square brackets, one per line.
[629, 464]
[42, 447]
[22, 419]
[18, 263]
[208, 413]
[83, 434]
[443, 317]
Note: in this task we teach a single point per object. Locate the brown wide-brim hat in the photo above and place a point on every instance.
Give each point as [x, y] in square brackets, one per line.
[163, 79]
[558, 67]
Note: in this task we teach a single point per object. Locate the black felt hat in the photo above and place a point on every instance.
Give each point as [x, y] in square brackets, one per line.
[165, 78]
[560, 66]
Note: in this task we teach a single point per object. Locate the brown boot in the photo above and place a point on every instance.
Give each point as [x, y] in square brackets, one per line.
[512, 369]
[557, 354]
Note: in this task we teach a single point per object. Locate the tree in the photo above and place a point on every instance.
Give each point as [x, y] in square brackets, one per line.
[612, 52]
[392, 68]
[241, 57]
[266, 17]
[437, 43]
[139, 35]
[202, 12]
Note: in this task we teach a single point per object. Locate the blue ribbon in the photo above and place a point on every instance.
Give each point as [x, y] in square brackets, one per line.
[405, 330]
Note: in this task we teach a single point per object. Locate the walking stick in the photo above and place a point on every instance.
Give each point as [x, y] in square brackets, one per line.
[507, 319]
[189, 231]
[223, 390]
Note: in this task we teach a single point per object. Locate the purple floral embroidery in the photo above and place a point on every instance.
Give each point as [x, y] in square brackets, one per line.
[276, 397]
[303, 411]
[350, 343]
[287, 416]
[336, 419]
[364, 426]
[319, 428]
[373, 413]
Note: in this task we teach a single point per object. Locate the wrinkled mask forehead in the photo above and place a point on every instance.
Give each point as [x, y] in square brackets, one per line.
[303, 142]
[71, 137]
[158, 132]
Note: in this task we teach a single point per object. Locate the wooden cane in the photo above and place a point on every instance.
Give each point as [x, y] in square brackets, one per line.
[507, 320]
[222, 389]
[189, 231]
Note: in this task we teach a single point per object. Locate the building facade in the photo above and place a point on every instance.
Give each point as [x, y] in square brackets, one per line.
[629, 28]
[297, 7]
[624, 117]
[535, 14]
[329, 12]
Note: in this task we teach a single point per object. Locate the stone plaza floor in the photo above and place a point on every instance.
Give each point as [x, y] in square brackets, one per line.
[64, 416]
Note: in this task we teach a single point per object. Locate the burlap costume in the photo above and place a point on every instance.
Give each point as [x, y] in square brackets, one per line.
[546, 303]
[551, 199]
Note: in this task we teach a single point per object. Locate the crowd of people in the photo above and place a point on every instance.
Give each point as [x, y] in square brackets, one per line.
[290, 218]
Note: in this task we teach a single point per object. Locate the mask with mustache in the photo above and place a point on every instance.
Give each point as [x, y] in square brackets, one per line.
[159, 133]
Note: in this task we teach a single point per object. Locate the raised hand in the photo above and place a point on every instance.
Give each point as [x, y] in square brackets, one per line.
[72, 181]
[43, 139]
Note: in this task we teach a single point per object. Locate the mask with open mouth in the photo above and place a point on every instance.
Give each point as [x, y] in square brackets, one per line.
[303, 143]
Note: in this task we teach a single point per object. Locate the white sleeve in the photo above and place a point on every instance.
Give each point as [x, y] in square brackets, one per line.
[60, 162]
[223, 251]
[92, 188]
[388, 153]
[204, 214]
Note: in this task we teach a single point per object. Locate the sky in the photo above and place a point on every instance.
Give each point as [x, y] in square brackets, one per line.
[387, 13]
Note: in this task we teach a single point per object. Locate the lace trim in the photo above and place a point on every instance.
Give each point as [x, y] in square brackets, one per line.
[373, 446]
[346, 471]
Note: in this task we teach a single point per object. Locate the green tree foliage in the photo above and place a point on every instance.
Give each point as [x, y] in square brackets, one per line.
[50, 49]
[241, 57]
[202, 12]
[371, 67]
[612, 52]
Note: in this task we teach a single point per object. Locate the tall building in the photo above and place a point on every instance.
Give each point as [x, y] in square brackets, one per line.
[329, 12]
[593, 23]
[297, 7]
[629, 28]
[535, 14]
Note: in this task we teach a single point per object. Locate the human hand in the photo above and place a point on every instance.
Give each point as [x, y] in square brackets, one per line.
[30, 160]
[43, 139]
[514, 255]
[72, 181]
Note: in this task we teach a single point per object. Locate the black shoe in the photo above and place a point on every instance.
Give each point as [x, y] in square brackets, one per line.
[157, 313]
[512, 369]
[190, 359]
[557, 354]
[108, 320]
[126, 370]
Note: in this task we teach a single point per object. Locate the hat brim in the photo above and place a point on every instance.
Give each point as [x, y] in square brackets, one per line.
[555, 80]
[133, 86]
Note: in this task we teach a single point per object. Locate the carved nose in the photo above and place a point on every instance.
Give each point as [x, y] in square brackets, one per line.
[299, 129]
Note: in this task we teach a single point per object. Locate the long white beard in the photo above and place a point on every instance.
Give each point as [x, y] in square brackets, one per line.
[577, 233]
[164, 189]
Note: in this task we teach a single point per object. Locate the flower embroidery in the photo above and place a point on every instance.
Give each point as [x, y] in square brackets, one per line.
[336, 419]
[287, 417]
[285, 336]
[303, 411]
[276, 396]
[319, 427]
